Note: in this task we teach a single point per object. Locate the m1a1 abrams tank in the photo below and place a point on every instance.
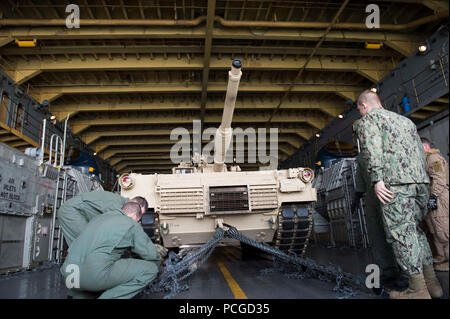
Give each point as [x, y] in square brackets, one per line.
[186, 206]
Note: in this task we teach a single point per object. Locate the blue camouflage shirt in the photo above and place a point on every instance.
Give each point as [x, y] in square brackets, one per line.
[391, 148]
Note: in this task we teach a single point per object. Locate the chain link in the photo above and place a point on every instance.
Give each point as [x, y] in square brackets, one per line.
[177, 270]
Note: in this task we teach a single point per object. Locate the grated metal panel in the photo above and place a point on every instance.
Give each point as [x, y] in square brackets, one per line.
[228, 198]
[263, 196]
[181, 200]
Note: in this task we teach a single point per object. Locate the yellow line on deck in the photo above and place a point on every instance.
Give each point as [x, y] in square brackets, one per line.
[235, 289]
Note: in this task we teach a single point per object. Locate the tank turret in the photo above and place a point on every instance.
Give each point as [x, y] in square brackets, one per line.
[224, 133]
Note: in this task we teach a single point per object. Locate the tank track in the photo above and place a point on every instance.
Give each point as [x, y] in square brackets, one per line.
[294, 228]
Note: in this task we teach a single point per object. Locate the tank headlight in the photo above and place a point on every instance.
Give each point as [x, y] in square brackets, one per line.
[126, 181]
[306, 175]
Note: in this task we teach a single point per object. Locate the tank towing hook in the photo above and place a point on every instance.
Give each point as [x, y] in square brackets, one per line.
[218, 222]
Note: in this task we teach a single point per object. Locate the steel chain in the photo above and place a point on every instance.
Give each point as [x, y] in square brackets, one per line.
[291, 265]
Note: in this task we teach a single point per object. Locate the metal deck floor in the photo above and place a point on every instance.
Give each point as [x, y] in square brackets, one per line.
[210, 283]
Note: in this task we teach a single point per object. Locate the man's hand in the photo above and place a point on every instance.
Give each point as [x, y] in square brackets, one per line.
[432, 202]
[161, 250]
[383, 194]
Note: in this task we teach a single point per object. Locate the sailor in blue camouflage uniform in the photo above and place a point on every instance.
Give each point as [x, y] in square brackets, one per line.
[381, 251]
[395, 161]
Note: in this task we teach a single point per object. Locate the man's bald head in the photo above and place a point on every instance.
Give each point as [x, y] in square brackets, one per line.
[367, 101]
[427, 144]
[142, 202]
[132, 210]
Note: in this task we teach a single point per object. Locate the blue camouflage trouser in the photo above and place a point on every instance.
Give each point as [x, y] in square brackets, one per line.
[401, 218]
[382, 252]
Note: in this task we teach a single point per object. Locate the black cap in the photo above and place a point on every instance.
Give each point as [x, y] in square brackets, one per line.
[237, 64]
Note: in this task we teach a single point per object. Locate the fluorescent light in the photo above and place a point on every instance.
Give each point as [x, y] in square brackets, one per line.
[26, 43]
[373, 46]
[423, 48]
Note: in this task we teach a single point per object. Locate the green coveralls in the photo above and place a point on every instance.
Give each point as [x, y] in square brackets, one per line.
[97, 253]
[382, 252]
[74, 215]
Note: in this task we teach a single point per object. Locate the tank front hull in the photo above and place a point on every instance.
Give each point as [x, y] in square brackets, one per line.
[186, 230]
[189, 207]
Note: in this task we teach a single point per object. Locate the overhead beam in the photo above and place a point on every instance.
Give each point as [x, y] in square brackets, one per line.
[110, 152]
[102, 144]
[207, 56]
[329, 107]
[118, 159]
[420, 115]
[364, 66]
[166, 160]
[434, 108]
[435, 5]
[224, 22]
[24, 140]
[52, 93]
[372, 75]
[406, 48]
[5, 40]
[135, 167]
[21, 76]
[149, 158]
[284, 149]
[286, 116]
[117, 32]
[91, 136]
[153, 167]
[113, 152]
[119, 167]
[216, 49]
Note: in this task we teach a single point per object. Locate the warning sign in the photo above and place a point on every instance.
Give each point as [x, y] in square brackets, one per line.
[9, 190]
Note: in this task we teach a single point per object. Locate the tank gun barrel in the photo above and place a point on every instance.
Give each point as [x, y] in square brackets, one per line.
[224, 133]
